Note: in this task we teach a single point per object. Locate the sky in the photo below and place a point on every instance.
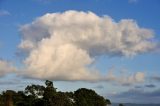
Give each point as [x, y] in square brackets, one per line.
[111, 46]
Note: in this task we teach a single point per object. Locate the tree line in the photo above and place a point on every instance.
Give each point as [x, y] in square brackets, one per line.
[38, 95]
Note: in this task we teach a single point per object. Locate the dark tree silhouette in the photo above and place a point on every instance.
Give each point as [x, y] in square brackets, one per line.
[88, 97]
[38, 95]
[121, 104]
[35, 90]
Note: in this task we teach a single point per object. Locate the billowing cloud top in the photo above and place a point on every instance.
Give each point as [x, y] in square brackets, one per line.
[61, 46]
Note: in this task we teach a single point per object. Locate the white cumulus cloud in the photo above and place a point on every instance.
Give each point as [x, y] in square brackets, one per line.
[62, 46]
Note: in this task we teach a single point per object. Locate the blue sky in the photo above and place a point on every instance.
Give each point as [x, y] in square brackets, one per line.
[15, 14]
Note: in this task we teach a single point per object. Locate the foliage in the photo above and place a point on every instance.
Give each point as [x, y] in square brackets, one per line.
[88, 97]
[121, 104]
[108, 101]
[35, 90]
[38, 95]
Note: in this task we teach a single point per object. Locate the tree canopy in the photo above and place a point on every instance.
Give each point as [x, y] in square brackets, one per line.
[38, 95]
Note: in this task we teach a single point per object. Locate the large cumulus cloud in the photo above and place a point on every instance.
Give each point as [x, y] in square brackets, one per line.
[62, 46]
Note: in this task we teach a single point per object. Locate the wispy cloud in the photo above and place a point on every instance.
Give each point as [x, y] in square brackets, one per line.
[138, 87]
[155, 78]
[150, 86]
[44, 1]
[145, 86]
[1, 44]
[2, 82]
[132, 1]
[6, 67]
[4, 13]
[137, 96]
[99, 87]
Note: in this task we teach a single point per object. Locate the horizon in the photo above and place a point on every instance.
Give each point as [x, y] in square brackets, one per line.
[109, 46]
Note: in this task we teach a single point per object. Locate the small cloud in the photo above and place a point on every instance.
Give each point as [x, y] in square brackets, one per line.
[157, 49]
[99, 87]
[4, 13]
[132, 1]
[44, 1]
[145, 86]
[155, 78]
[138, 87]
[6, 67]
[138, 77]
[150, 86]
[9, 82]
[1, 44]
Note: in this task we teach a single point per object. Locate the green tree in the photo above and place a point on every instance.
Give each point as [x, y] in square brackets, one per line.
[108, 102]
[49, 93]
[19, 99]
[88, 97]
[2, 99]
[8, 97]
[39, 102]
[121, 104]
[61, 99]
[37, 95]
[35, 90]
